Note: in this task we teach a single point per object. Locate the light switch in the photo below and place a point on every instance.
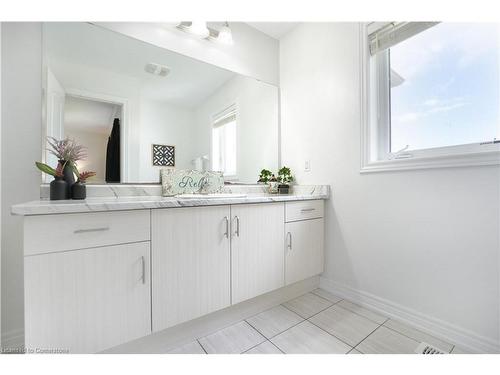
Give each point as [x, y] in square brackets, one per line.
[307, 166]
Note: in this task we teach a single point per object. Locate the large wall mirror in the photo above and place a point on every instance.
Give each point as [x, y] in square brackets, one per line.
[139, 108]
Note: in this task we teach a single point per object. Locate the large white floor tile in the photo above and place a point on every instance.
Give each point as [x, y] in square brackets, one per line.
[307, 338]
[307, 305]
[457, 350]
[234, 339]
[266, 347]
[377, 318]
[387, 341]
[327, 295]
[418, 335]
[274, 321]
[344, 324]
[190, 348]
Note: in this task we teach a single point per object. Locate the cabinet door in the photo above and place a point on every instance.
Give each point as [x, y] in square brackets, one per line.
[191, 263]
[87, 300]
[257, 249]
[304, 249]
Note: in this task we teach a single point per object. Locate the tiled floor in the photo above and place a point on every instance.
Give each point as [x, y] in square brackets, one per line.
[316, 322]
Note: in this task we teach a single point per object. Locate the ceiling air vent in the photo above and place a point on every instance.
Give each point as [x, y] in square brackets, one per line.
[425, 348]
[157, 69]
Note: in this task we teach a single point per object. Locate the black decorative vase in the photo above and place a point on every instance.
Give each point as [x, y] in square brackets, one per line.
[78, 191]
[58, 189]
[69, 176]
[283, 189]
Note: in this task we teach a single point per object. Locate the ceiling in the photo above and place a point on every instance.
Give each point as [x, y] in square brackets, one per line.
[275, 30]
[74, 48]
[92, 116]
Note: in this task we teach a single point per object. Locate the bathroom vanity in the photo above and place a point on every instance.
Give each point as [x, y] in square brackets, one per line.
[94, 280]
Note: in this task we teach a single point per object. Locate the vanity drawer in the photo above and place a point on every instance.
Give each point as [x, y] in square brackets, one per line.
[303, 210]
[53, 233]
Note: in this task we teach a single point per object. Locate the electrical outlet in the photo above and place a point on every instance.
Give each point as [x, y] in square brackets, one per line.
[307, 166]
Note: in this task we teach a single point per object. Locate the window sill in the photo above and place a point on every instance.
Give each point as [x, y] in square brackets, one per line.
[472, 159]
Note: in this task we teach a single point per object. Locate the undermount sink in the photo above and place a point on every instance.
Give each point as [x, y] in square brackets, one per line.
[210, 196]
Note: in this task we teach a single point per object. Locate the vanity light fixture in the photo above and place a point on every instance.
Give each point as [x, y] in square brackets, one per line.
[197, 28]
[224, 35]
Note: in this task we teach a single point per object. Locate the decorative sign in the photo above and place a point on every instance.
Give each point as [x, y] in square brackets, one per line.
[186, 181]
[163, 156]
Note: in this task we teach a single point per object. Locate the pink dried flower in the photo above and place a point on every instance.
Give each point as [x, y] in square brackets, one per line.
[66, 149]
[83, 176]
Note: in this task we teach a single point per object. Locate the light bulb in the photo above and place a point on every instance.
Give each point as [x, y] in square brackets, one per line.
[198, 28]
[225, 35]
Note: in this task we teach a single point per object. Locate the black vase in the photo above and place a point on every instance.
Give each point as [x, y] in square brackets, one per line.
[69, 175]
[58, 189]
[78, 190]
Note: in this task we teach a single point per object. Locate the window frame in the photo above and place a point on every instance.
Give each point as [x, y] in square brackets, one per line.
[233, 107]
[375, 126]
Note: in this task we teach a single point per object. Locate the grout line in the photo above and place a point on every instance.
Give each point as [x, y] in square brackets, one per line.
[277, 347]
[359, 343]
[267, 338]
[453, 347]
[331, 334]
[199, 343]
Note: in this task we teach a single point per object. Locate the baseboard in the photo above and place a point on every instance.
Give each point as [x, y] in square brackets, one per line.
[163, 341]
[441, 329]
[12, 341]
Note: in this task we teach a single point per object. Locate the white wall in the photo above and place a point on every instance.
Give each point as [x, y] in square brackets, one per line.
[424, 240]
[257, 133]
[21, 146]
[162, 123]
[253, 53]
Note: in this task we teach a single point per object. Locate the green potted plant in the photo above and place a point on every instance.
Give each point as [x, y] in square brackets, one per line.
[284, 178]
[273, 184]
[265, 176]
[58, 186]
[79, 190]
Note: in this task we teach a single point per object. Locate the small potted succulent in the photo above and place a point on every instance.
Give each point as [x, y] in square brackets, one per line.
[58, 186]
[79, 190]
[284, 178]
[264, 176]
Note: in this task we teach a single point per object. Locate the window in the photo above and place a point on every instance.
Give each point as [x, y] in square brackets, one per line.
[224, 142]
[432, 95]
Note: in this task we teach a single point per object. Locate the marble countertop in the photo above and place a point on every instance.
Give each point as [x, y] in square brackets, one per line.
[46, 207]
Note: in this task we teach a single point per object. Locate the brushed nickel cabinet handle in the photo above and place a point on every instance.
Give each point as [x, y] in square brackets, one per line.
[79, 231]
[143, 263]
[307, 209]
[226, 233]
[237, 231]
[289, 240]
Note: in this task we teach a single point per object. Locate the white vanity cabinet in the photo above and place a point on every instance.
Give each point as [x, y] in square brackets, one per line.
[304, 239]
[256, 249]
[191, 263]
[95, 280]
[85, 300]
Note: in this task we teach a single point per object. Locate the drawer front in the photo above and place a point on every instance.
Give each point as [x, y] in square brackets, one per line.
[53, 233]
[304, 210]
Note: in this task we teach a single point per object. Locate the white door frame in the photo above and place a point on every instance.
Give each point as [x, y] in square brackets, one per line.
[124, 123]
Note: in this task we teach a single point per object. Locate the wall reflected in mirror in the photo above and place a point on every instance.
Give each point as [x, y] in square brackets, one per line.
[119, 97]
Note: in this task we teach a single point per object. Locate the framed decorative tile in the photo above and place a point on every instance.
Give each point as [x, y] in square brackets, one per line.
[186, 181]
[163, 155]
